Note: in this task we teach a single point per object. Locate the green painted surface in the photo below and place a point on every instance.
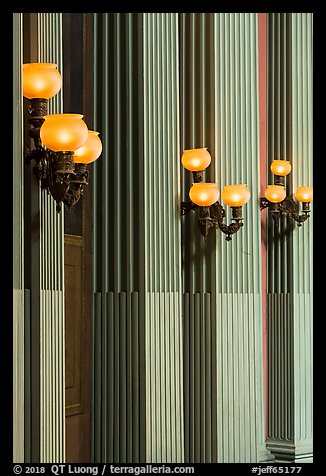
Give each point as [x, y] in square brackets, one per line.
[38, 313]
[45, 344]
[52, 342]
[137, 247]
[290, 264]
[137, 397]
[161, 235]
[139, 360]
[302, 161]
[223, 339]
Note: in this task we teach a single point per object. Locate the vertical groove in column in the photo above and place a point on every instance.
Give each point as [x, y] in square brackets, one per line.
[136, 384]
[27, 380]
[116, 377]
[105, 83]
[122, 377]
[117, 147]
[104, 387]
[129, 357]
[131, 219]
[197, 342]
[108, 423]
[97, 379]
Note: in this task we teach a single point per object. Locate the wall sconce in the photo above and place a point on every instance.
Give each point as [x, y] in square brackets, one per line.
[204, 196]
[63, 145]
[275, 195]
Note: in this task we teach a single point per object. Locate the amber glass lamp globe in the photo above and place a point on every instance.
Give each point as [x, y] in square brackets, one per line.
[41, 80]
[235, 195]
[196, 160]
[275, 193]
[281, 167]
[304, 194]
[63, 132]
[90, 151]
[204, 194]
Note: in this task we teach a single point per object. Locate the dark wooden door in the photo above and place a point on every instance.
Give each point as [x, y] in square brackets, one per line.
[78, 98]
[78, 347]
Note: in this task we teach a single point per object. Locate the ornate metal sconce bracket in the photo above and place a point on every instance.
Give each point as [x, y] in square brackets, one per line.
[288, 208]
[213, 217]
[56, 171]
[204, 196]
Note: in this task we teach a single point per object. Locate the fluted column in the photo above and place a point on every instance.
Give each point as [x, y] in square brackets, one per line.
[161, 235]
[44, 316]
[238, 264]
[290, 262]
[138, 414]
[222, 280]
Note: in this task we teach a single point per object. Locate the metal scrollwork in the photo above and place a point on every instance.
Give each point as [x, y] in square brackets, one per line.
[218, 214]
[214, 219]
[229, 230]
[287, 208]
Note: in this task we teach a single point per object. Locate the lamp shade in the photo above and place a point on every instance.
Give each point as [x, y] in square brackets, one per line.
[41, 80]
[204, 194]
[275, 193]
[235, 195]
[304, 194]
[196, 160]
[281, 167]
[63, 132]
[90, 151]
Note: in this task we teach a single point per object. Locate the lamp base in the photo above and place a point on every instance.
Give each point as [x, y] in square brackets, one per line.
[198, 176]
[279, 180]
[37, 109]
[306, 207]
[237, 213]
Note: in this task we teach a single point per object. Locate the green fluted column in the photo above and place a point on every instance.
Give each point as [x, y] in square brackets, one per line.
[222, 280]
[161, 280]
[18, 246]
[52, 327]
[237, 265]
[290, 248]
[138, 406]
[45, 343]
